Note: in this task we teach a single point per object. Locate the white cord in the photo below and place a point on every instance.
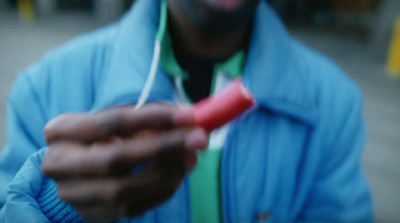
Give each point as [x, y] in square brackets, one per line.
[144, 95]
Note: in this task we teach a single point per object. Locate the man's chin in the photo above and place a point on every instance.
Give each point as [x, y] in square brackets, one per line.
[222, 16]
[225, 5]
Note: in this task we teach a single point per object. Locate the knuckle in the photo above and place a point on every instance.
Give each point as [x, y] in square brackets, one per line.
[53, 129]
[46, 169]
[118, 191]
[112, 159]
[118, 194]
[108, 122]
[173, 142]
[47, 166]
[162, 114]
[54, 159]
[159, 108]
[63, 194]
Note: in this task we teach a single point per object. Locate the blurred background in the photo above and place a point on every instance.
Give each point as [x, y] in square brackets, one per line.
[360, 35]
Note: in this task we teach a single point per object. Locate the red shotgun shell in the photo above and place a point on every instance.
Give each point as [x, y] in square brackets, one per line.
[217, 110]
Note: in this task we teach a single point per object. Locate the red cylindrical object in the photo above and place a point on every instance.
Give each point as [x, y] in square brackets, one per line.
[217, 110]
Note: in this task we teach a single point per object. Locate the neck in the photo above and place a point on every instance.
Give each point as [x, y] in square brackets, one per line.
[190, 40]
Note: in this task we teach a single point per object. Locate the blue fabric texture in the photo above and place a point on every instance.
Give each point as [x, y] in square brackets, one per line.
[52, 207]
[295, 157]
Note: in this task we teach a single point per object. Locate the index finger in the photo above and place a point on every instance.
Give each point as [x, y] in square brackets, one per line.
[118, 121]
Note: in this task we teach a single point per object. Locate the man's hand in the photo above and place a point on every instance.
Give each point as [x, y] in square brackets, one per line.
[92, 156]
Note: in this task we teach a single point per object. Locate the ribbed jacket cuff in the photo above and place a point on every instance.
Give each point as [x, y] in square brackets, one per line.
[53, 207]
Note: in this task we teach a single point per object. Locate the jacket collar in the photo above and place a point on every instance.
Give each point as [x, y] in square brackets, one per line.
[274, 80]
[272, 72]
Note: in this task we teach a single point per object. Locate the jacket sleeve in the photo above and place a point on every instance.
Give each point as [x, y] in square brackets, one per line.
[21, 205]
[25, 123]
[339, 191]
[32, 197]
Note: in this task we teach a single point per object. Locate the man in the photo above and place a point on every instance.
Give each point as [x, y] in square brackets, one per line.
[294, 158]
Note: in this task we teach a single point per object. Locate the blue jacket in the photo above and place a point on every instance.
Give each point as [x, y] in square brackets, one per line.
[294, 158]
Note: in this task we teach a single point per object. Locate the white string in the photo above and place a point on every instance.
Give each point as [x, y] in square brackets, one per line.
[144, 95]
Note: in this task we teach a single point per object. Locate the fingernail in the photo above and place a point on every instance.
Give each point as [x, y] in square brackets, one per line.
[184, 117]
[197, 139]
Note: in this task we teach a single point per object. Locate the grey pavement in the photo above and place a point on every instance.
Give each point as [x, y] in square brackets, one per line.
[23, 44]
